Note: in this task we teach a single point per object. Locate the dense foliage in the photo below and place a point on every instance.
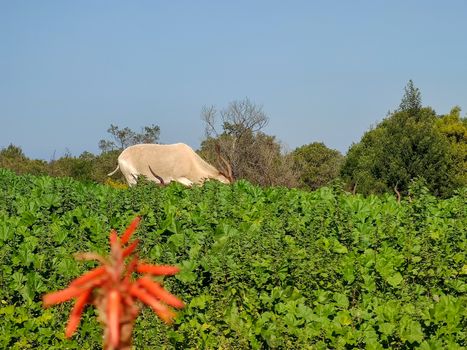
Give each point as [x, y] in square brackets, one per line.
[404, 146]
[261, 268]
[86, 167]
[317, 165]
[13, 157]
[454, 128]
[412, 142]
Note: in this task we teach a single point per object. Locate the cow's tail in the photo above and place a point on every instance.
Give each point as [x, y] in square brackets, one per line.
[113, 172]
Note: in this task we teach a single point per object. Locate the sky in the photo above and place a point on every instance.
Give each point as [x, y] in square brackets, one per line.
[322, 71]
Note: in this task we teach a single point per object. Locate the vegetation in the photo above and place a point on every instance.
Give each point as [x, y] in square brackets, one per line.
[410, 143]
[260, 267]
[317, 165]
[112, 289]
[412, 100]
[252, 154]
[123, 138]
[454, 128]
[13, 157]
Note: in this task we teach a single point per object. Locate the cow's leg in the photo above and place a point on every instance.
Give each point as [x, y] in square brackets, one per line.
[133, 179]
[185, 181]
[129, 172]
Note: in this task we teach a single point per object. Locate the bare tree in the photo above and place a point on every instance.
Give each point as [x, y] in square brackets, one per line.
[238, 118]
[239, 121]
[243, 116]
[208, 115]
[252, 154]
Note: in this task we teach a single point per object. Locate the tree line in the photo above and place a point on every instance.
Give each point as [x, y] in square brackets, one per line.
[412, 144]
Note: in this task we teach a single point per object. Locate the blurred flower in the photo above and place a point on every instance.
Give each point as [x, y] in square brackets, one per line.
[112, 289]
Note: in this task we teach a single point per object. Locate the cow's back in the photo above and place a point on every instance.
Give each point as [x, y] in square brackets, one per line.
[166, 161]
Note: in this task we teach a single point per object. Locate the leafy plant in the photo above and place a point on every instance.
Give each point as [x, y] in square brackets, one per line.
[259, 267]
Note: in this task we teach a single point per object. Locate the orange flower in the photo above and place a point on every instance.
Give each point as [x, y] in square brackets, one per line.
[75, 315]
[156, 290]
[160, 270]
[159, 308]
[112, 290]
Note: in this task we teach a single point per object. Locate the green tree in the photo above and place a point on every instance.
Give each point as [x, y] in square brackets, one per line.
[412, 100]
[404, 146]
[79, 168]
[316, 164]
[122, 138]
[454, 128]
[13, 158]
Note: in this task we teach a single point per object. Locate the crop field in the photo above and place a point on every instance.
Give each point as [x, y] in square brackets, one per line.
[260, 267]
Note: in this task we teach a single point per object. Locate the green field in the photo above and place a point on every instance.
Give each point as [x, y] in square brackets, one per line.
[261, 267]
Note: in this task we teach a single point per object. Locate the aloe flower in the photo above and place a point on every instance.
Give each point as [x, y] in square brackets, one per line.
[112, 289]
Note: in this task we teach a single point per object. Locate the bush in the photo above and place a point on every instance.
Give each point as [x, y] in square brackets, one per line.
[260, 268]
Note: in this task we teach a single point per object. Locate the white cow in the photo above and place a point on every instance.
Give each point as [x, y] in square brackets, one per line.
[166, 163]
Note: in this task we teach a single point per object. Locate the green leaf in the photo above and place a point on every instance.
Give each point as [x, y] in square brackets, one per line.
[68, 267]
[17, 281]
[432, 344]
[410, 330]
[339, 248]
[177, 240]
[35, 283]
[348, 273]
[341, 300]
[186, 273]
[395, 280]
[344, 318]
[60, 234]
[155, 252]
[6, 232]
[387, 328]
[199, 301]
[448, 309]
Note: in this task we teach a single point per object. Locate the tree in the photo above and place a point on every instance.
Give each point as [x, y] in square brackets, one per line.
[80, 168]
[316, 164]
[122, 138]
[240, 122]
[411, 101]
[252, 154]
[239, 118]
[13, 158]
[404, 146]
[454, 128]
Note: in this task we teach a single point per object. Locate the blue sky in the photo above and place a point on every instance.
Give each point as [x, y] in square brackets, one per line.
[322, 70]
